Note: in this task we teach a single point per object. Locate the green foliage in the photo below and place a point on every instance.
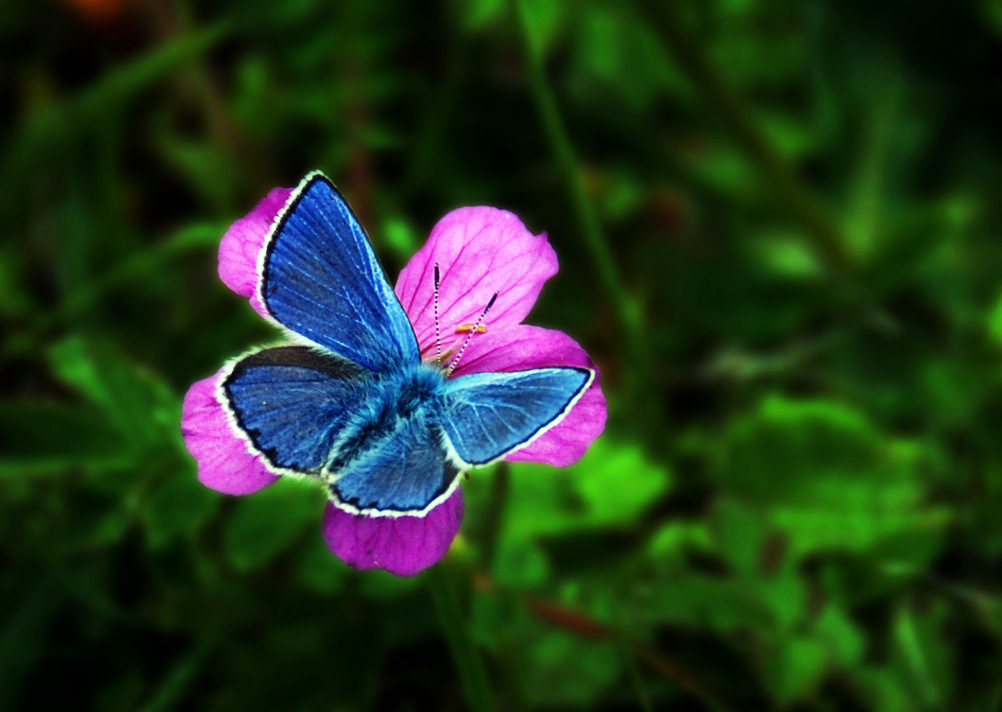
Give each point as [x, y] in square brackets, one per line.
[777, 225]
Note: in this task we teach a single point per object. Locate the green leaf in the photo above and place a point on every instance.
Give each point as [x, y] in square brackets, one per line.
[543, 23]
[263, 526]
[520, 564]
[47, 437]
[719, 603]
[480, 13]
[177, 506]
[319, 569]
[672, 541]
[612, 486]
[133, 399]
[562, 671]
[794, 669]
[617, 482]
[829, 478]
[740, 532]
[842, 637]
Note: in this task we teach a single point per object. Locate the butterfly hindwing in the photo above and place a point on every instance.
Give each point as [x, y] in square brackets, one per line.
[291, 403]
[487, 415]
[406, 472]
[321, 279]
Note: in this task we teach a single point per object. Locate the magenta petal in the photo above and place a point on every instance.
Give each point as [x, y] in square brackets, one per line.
[240, 246]
[402, 545]
[479, 251]
[224, 464]
[524, 346]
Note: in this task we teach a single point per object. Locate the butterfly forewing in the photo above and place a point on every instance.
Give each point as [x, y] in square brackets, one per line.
[321, 279]
[487, 415]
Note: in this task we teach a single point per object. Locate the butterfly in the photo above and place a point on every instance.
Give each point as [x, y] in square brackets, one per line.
[349, 401]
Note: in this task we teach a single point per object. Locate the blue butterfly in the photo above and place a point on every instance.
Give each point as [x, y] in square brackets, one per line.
[350, 402]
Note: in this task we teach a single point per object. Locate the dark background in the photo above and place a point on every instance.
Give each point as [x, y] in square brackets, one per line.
[778, 227]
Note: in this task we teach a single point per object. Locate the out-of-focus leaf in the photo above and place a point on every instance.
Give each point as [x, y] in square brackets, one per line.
[520, 564]
[207, 167]
[611, 486]
[177, 505]
[384, 586]
[617, 482]
[794, 668]
[561, 670]
[618, 58]
[479, 13]
[786, 255]
[830, 479]
[400, 236]
[673, 540]
[141, 406]
[319, 569]
[543, 23]
[264, 525]
[40, 437]
[841, 636]
[741, 534]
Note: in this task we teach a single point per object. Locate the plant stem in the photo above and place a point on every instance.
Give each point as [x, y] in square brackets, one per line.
[465, 655]
[500, 485]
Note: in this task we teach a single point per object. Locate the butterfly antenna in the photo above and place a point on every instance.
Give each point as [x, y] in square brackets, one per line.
[455, 361]
[438, 341]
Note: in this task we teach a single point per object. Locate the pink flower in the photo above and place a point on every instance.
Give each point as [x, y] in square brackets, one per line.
[480, 251]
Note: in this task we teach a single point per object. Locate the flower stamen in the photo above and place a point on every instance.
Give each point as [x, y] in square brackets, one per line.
[474, 330]
[467, 327]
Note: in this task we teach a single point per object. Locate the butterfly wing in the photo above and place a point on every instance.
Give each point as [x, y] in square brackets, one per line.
[407, 472]
[290, 403]
[320, 279]
[487, 415]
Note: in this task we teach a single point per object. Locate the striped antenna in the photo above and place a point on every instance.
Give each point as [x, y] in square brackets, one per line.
[455, 361]
[438, 340]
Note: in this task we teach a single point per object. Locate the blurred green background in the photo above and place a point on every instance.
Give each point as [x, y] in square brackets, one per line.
[779, 233]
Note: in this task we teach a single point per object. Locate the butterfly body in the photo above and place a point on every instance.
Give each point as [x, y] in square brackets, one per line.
[388, 403]
[387, 434]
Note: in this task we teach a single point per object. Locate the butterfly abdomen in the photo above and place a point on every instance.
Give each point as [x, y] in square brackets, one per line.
[390, 458]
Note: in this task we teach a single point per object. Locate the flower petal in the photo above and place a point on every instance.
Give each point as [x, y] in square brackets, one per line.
[224, 464]
[402, 545]
[479, 251]
[524, 346]
[239, 248]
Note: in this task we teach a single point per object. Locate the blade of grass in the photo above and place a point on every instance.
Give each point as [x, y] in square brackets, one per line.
[170, 692]
[465, 655]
